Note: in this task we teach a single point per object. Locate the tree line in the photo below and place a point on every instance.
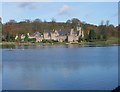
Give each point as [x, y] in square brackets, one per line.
[91, 32]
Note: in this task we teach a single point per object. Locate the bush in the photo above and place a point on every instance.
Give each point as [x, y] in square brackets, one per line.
[80, 39]
[26, 38]
[48, 41]
[33, 40]
[104, 37]
[9, 37]
[45, 41]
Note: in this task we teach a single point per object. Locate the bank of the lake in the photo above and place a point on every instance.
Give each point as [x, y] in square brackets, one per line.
[111, 40]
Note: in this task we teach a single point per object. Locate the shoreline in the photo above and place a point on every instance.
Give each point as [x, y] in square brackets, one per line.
[109, 41]
[57, 43]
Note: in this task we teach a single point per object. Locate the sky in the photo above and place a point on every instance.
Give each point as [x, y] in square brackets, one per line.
[89, 12]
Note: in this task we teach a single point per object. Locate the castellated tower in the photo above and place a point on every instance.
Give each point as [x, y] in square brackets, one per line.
[71, 31]
[81, 32]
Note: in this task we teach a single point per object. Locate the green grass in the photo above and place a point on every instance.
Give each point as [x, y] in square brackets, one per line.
[111, 40]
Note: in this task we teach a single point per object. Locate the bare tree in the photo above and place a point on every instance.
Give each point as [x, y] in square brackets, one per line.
[102, 23]
[107, 23]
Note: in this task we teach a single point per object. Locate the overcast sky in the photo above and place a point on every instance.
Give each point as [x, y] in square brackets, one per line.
[89, 12]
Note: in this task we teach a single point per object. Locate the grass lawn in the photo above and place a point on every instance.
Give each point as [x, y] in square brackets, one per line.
[111, 40]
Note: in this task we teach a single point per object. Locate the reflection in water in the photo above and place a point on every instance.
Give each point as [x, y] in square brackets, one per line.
[60, 67]
[51, 46]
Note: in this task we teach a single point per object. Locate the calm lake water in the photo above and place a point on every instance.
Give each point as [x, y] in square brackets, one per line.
[70, 67]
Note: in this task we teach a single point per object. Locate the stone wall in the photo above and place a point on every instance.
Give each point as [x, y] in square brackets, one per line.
[61, 38]
[72, 38]
[46, 36]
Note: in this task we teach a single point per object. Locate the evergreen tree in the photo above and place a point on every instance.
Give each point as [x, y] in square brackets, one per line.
[26, 38]
[92, 35]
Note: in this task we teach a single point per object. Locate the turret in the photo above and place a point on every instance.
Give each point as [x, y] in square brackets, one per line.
[79, 30]
[78, 27]
[71, 31]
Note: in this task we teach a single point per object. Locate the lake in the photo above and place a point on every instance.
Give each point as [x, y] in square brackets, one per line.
[64, 67]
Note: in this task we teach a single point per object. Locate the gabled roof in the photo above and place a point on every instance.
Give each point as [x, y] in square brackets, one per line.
[63, 32]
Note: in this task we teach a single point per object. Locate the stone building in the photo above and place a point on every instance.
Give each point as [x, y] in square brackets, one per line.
[36, 35]
[46, 36]
[39, 39]
[62, 35]
[22, 37]
[16, 37]
[58, 35]
[75, 34]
